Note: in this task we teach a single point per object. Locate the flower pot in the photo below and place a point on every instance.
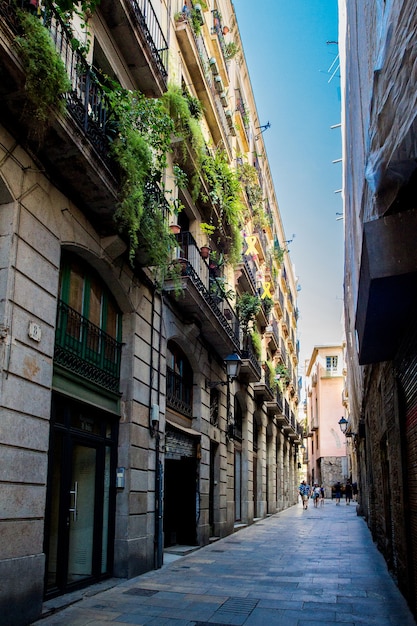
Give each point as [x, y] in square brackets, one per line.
[205, 252]
[175, 229]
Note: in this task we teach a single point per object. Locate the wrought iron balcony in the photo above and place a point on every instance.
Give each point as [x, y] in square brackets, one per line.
[179, 393]
[197, 60]
[203, 296]
[272, 335]
[275, 406]
[250, 368]
[77, 160]
[247, 270]
[262, 389]
[86, 350]
[136, 29]
[217, 30]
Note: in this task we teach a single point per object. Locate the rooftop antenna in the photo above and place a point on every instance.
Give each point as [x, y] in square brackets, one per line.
[336, 60]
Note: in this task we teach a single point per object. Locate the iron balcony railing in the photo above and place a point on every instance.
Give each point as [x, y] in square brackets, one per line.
[283, 352]
[273, 327]
[247, 354]
[257, 166]
[279, 400]
[210, 287]
[217, 29]
[86, 350]
[241, 107]
[86, 100]
[251, 270]
[179, 393]
[287, 409]
[146, 17]
[204, 60]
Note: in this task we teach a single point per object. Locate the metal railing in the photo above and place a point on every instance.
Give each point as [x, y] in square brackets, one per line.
[86, 100]
[179, 393]
[247, 354]
[86, 349]
[146, 17]
[273, 328]
[217, 29]
[208, 285]
[241, 107]
[250, 267]
[204, 59]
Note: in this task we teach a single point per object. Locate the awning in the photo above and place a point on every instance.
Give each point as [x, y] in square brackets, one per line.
[184, 429]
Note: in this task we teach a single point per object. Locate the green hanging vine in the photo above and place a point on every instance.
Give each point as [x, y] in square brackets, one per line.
[46, 76]
[142, 141]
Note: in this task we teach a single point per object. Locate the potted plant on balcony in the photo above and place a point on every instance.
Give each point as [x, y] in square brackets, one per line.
[267, 304]
[247, 308]
[208, 230]
[231, 50]
[282, 375]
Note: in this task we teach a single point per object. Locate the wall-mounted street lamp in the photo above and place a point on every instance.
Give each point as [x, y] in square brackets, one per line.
[233, 363]
[343, 423]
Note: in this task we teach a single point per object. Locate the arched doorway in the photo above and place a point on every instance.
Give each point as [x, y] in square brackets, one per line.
[80, 508]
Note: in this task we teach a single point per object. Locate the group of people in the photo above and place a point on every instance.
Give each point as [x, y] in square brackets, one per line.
[317, 493]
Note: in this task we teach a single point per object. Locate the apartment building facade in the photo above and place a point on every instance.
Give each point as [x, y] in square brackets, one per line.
[123, 430]
[326, 444]
[378, 57]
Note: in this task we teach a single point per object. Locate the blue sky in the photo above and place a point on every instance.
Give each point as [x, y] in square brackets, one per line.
[286, 49]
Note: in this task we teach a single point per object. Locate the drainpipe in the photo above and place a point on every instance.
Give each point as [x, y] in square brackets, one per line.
[159, 473]
[154, 431]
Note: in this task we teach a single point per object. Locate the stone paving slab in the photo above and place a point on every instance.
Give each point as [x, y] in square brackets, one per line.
[297, 568]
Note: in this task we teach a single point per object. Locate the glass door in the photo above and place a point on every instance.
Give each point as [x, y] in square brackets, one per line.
[81, 490]
[81, 513]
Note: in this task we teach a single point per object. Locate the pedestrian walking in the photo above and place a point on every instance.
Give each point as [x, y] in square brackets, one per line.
[348, 492]
[321, 495]
[304, 493]
[316, 495]
[337, 492]
[355, 491]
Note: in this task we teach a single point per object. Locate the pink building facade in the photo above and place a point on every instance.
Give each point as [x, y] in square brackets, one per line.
[326, 445]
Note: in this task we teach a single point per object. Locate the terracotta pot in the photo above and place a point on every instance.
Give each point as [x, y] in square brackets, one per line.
[175, 229]
[205, 252]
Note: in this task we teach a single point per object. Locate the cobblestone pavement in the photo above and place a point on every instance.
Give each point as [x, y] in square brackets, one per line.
[295, 568]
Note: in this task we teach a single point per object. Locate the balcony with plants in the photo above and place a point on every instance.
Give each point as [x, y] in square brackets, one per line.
[208, 76]
[247, 308]
[197, 286]
[243, 119]
[52, 102]
[104, 145]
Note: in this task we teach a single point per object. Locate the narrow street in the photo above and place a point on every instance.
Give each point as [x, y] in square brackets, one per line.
[295, 568]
